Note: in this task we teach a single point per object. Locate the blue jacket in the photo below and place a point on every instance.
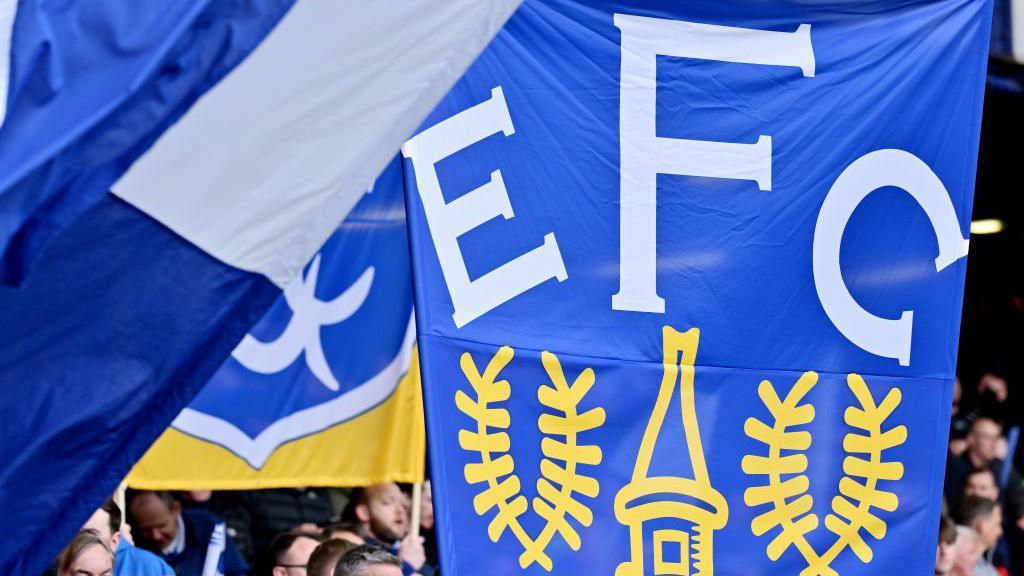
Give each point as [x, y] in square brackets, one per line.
[132, 561]
[206, 533]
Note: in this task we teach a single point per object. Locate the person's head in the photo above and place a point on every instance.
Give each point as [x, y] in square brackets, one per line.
[348, 531]
[86, 555]
[381, 513]
[368, 560]
[154, 517]
[982, 482]
[945, 553]
[105, 522]
[984, 517]
[326, 556]
[982, 441]
[426, 507]
[288, 554]
[966, 552]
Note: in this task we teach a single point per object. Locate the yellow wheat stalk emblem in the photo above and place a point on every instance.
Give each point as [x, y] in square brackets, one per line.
[859, 488]
[558, 483]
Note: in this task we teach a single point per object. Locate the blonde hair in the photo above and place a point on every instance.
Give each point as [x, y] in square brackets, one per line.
[79, 544]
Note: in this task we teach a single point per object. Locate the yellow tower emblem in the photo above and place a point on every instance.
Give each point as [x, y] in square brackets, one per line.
[677, 515]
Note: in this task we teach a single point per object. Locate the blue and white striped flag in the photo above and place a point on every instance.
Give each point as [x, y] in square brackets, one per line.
[166, 167]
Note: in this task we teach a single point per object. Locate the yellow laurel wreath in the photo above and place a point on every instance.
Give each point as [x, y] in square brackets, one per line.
[791, 504]
[555, 501]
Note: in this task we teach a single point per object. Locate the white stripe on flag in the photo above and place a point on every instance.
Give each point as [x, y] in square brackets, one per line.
[8, 9]
[266, 164]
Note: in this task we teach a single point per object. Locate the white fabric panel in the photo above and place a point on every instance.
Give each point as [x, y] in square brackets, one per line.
[8, 9]
[265, 165]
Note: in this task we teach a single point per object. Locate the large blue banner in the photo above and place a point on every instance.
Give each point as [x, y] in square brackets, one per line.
[688, 285]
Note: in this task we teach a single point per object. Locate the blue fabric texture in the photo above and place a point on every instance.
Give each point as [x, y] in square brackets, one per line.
[92, 86]
[1002, 29]
[114, 332]
[640, 200]
[104, 342]
[370, 243]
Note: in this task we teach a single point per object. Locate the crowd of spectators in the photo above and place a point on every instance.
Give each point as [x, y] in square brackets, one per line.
[981, 530]
[280, 532]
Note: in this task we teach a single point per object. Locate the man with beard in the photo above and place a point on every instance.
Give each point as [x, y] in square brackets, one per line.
[381, 515]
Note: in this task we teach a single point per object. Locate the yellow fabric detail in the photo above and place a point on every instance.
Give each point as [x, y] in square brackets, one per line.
[385, 444]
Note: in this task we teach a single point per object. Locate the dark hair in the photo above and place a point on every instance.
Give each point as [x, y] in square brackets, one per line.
[356, 560]
[114, 511]
[276, 550]
[343, 526]
[988, 417]
[983, 470]
[326, 557]
[164, 496]
[947, 531]
[355, 498]
[974, 508]
[82, 541]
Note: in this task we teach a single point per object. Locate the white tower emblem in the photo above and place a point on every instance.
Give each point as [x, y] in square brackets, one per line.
[302, 334]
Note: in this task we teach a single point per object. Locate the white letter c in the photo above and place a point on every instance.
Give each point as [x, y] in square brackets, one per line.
[889, 167]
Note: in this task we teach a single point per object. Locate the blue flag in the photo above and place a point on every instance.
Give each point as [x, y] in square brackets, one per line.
[166, 169]
[329, 369]
[91, 85]
[688, 285]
